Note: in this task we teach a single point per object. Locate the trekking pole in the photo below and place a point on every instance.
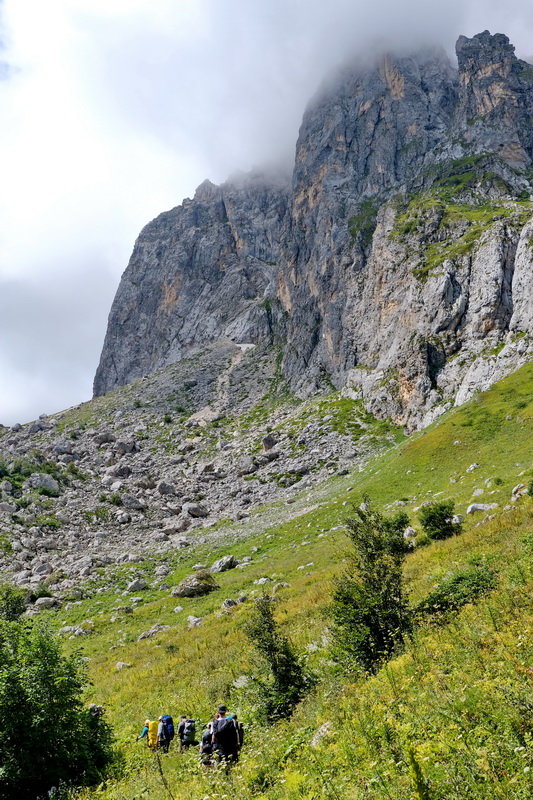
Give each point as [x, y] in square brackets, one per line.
[163, 778]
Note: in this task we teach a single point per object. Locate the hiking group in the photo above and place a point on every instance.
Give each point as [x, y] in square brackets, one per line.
[221, 738]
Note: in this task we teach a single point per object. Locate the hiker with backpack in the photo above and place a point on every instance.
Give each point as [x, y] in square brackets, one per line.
[144, 733]
[207, 746]
[168, 724]
[187, 733]
[165, 732]
[240, 731]
[225, 738]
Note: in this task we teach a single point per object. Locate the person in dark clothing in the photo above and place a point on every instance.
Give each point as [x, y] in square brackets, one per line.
[187, 733]
[163, 742]
[240, 731]
[225, 738]
[207, 746]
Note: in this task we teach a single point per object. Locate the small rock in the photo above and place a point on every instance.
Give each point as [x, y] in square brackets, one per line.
[409, 533]
[472, 467]
[153, 631]
[122, 665]
[323, 731]
[228, 603]
[178, 609]
[193, 622]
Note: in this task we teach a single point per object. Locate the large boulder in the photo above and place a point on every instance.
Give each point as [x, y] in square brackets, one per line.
[195, 585]
[195, 510]
[41, 480]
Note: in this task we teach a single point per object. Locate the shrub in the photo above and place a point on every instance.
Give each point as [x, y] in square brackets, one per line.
[369, 611]
[48, 521]
[530, 489]
[48, 738]
[115, 499]
[460, 588]
[287, 681]
[436, 520]
[167, 419]
[12, 602]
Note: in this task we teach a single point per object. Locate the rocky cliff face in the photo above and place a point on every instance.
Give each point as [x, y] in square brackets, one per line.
[395, 263]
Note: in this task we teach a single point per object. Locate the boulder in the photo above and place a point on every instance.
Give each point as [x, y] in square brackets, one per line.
[177, 525]
[481, 507]
[46, 602]
[195, 510]
[224, 563]
[165, 488]
[41, 480]
[133, 503]
[137, 585]
[103, 437]
[195, 586]
[269, 441]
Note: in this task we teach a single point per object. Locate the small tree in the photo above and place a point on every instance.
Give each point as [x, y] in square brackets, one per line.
[12, 602]
[287, 680]
[369, 610]
[437, 520]
[48, 739]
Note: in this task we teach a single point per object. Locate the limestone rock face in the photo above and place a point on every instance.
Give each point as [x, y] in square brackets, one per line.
[395, 262]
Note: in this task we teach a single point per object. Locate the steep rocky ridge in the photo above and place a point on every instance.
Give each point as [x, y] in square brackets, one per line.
[395, 263]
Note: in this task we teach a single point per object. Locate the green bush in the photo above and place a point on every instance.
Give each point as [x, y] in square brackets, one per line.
[369, 611]
[436, 520]
[48, 738]
[286, 681]
[48, 521]
[460, 588]
[115, 499]
[12, 602]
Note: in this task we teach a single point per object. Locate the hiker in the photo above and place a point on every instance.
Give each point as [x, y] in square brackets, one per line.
[151, 740]
[144, 733]
[168, 726]
[240, 730]
[163, 742]
[206, 745]
[225, 738]
[187, 733]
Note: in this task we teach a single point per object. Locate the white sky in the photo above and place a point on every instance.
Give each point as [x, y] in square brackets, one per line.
[112, 111]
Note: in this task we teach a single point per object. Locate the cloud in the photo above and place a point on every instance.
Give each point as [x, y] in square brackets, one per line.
[114, 110]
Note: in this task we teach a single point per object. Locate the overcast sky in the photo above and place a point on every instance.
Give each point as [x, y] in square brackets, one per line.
[112, 111]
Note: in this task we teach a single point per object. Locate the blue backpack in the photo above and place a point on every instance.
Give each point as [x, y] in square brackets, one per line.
[168, 724]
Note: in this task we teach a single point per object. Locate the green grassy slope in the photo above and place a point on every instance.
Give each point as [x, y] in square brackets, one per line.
[451, 718]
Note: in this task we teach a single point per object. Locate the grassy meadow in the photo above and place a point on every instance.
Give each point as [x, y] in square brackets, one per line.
[450, 718]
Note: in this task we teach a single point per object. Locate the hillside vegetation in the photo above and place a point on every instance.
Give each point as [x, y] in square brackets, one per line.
[450, 718]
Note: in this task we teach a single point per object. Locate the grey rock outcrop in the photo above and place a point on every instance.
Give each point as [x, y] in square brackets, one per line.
[355, 283]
